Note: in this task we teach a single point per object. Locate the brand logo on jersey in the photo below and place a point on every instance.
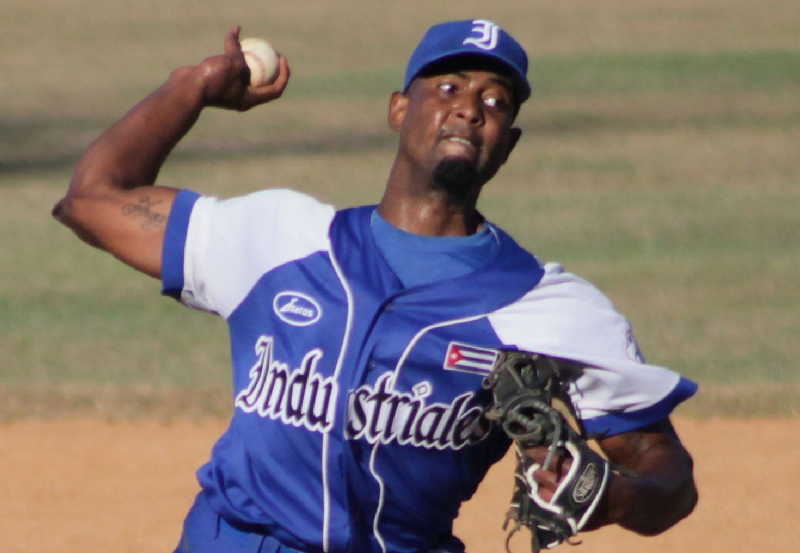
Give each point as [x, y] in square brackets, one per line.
[300, 396]
[296, 308]
[487, 32]
[380, 414]
[470, 359]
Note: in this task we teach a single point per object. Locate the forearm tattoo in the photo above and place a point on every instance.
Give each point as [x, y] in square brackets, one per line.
[144, 208]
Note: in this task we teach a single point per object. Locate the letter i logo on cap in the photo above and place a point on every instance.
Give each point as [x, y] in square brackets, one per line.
[487, 34]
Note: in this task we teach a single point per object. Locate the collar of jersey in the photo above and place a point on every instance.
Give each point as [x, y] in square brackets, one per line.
[506, 277]
[428, 244]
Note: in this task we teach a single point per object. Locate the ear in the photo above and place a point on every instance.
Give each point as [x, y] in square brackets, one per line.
[398, 107]
[514, 134]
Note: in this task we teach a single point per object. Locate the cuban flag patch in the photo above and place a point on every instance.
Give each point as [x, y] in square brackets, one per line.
[469, 359]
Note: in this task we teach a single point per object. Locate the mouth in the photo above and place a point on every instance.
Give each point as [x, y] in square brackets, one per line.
[462, 140]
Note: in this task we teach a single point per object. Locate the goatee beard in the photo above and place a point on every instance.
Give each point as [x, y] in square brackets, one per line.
[457, 177]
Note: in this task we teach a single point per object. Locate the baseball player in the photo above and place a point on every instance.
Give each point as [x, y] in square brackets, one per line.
[360, 337]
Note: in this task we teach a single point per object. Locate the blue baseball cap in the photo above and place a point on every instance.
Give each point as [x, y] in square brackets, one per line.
[471, 37]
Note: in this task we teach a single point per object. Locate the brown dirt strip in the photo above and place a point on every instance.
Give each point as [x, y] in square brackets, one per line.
[97, 485]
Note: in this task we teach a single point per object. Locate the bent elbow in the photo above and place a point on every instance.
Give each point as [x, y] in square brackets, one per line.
[69, 211]
[686, 504]
[64, 211]
[61, 211]
[682, 505]
[72, 212]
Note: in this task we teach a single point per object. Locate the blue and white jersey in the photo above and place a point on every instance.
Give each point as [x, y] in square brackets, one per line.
[357, 402]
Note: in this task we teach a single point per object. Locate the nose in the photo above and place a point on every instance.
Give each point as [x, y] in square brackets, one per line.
[469, 109]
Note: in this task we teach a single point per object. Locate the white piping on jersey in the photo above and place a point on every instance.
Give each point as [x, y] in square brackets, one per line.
[382, 487]
[494, 232]
[326, 493]
[398, 366]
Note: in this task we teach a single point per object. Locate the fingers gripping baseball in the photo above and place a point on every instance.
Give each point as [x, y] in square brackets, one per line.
[226, 78]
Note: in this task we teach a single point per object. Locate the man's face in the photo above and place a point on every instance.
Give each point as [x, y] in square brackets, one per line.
[462, 117]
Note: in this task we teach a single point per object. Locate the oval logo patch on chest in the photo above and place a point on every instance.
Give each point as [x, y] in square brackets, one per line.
[296, 308]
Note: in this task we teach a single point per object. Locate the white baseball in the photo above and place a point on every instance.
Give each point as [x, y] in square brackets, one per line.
[261, 59]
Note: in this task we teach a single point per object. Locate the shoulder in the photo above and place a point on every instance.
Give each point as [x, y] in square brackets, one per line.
[275, 201]
[565, 315]
[558, 283]
[225, 246]
[264, 213]
[563, 295]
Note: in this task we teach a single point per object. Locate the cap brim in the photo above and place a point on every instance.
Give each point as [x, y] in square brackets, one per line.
[522, 88]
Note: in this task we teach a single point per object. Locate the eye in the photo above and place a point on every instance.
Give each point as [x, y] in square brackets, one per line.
[497, 102]
[447, 87]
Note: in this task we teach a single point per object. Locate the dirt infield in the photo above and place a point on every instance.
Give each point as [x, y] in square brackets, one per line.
[95, 486]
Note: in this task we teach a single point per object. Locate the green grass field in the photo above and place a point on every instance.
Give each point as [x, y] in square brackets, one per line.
[659, 160]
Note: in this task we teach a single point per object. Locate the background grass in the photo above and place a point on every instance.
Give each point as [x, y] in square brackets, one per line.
[659, 160]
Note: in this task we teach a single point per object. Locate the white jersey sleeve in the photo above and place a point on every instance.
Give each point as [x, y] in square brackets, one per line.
[216, 250]
[567, 317]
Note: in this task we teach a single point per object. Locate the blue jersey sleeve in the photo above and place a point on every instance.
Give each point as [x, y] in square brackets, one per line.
[174, 242]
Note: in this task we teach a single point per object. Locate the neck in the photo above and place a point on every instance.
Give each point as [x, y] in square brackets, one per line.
[416, 204]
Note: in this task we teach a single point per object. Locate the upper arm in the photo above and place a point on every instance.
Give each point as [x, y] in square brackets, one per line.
[652, 450]
[654, 487]
[130, 224]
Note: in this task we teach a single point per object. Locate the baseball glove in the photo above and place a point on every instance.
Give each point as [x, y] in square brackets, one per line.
[523, 386]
